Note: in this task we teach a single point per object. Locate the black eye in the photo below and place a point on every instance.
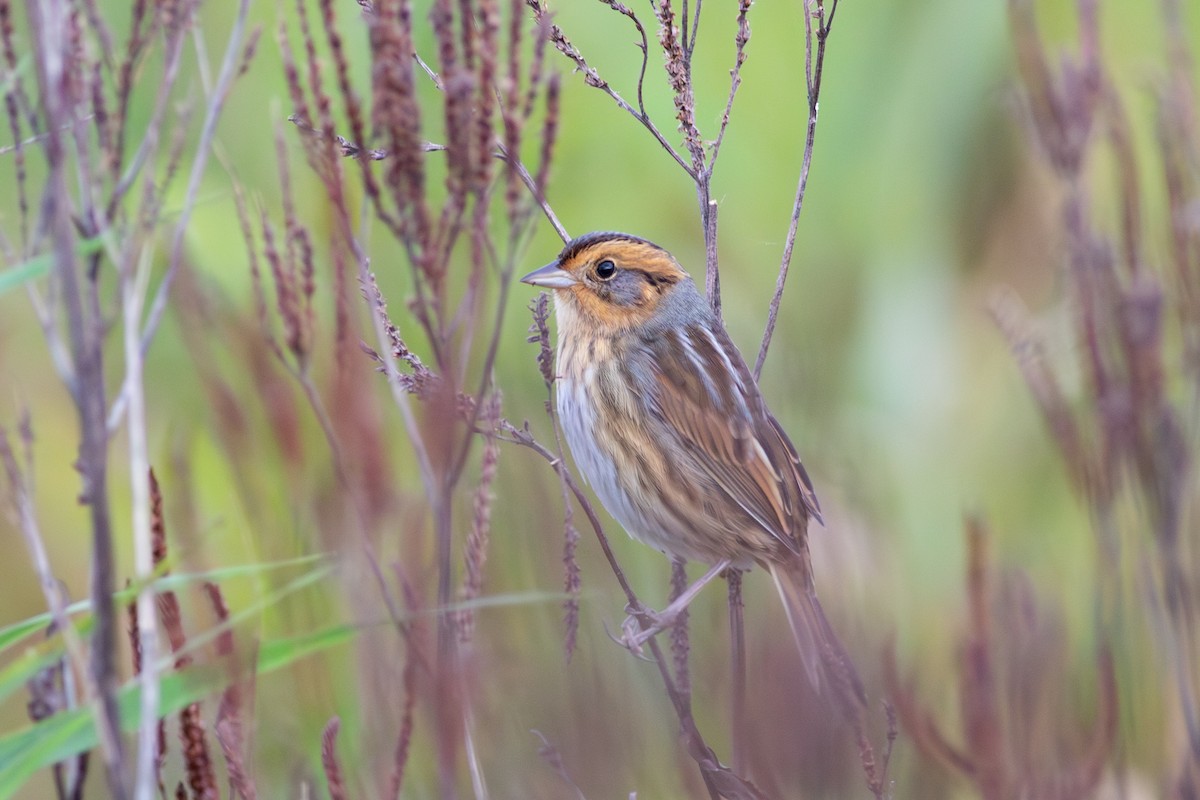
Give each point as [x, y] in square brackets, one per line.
[606, 269]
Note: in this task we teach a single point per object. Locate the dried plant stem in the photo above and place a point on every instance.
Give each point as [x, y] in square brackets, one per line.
[678, 46]
[571, 543]
[813, 69]
[485, 373]
[1121, 310]
[478, 783]
[328, 169]
[48, 21]
[354, 150]
[592, 78]
[133, 288]
[737, 659]
[995, 754]
[448, 678]
[408, 680]
[735, 75]
[352, 492]
[712, 274]
[60, 356]
[148, 146]
[467, 62]
[553, 759]
[535, 191]
[12, 148]
[680, 646]
[708, 206]
[445, 677]
[56, 601]
[230, 68]
[401, 398]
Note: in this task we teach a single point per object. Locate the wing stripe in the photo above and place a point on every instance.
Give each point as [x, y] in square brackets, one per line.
[706, 397]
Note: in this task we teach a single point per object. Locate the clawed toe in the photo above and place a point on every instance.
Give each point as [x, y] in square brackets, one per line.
[630, 630]
[631, 633]
[642, 625]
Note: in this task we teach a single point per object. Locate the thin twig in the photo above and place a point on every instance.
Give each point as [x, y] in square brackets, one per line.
[229, 70]
[553, 758]
[644, 46]
[21, 497]
[691, 46]
[735, 77]
[133, 294]
[474, 766]
[149, 144]
[813, 69]
[356, 151]
[356, 500]
[12, 148]
[592, 78]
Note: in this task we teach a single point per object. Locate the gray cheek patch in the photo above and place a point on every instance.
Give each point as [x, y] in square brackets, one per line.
[626, 289]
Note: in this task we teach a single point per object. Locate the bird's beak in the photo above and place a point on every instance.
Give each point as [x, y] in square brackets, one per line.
[551, 277]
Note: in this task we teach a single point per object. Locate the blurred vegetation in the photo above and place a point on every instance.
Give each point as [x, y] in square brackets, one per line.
[928, 195]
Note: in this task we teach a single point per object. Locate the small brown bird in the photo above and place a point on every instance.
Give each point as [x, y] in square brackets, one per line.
[668, 426]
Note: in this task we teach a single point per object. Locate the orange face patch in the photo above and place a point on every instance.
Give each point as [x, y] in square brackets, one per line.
[620, 280]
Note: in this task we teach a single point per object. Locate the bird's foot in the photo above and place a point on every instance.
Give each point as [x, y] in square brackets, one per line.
[643, 624]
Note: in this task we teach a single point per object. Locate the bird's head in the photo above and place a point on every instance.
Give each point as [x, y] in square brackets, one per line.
[611, 280]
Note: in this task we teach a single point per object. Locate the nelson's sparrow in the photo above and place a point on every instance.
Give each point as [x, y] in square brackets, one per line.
[668, 425]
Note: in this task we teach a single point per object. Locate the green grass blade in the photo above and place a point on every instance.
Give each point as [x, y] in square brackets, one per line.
[40, 265]
[13, 634]
[64, 735]
[36, 657]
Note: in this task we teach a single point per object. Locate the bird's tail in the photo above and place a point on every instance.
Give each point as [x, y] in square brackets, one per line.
[825, 658]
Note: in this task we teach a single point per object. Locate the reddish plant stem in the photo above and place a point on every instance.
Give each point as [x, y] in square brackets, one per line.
[679, 631]
[737, 644]
[85, 331]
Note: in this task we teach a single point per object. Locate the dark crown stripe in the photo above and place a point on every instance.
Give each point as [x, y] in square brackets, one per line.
[578, 245]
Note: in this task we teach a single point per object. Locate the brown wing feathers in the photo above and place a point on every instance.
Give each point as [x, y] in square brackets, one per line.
[737, 443]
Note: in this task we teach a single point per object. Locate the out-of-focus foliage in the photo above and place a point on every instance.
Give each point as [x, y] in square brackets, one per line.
[926, 196]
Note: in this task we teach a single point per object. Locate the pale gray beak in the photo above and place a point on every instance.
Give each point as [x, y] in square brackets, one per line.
[551, 277]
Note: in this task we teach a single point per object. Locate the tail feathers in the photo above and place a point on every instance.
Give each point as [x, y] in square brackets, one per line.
[825, 658]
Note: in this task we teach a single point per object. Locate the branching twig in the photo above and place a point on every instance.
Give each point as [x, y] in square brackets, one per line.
[813, 67]
[231, 67]
[735, 75]
[592, 78]
[350, 149]
[49, 23]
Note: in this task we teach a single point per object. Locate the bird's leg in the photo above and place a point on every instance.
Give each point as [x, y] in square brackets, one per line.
[642, 624]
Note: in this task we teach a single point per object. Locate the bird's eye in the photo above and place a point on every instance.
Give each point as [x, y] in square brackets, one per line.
[606, 269]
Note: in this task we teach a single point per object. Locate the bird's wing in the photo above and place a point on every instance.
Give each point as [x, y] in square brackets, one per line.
[800, 479]
[707, 397]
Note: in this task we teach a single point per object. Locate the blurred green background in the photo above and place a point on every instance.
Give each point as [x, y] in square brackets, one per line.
[926, 195]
